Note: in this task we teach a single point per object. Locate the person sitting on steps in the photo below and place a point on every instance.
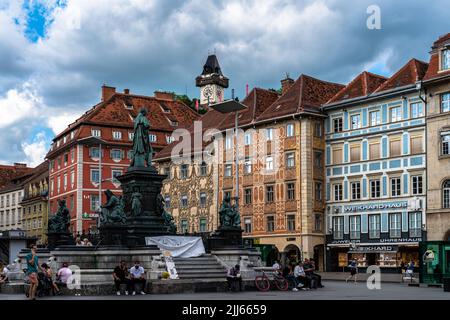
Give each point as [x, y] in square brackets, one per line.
[233, 276]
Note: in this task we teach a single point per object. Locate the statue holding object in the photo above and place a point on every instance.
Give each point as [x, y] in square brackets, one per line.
[60, 222]
[112, 211]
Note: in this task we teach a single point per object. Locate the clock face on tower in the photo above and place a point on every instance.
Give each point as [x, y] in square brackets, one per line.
[208, 92]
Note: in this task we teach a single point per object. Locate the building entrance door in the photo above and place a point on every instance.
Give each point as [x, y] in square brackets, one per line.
[371, 259]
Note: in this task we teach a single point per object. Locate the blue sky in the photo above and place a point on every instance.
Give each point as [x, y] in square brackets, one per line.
[56, 54]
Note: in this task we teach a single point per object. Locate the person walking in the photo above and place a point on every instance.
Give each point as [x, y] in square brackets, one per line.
[353, 270]
[137, 276]
[32, 271]
[121, 276]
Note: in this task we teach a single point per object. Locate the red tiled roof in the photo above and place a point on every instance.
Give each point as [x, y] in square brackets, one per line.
[362, 85]
[305, 95]
[119, 111]
[256, 101]
[434, 67]
[413, 71]
[8, 173]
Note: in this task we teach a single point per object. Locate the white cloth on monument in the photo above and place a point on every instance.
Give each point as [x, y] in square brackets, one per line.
[178, 246]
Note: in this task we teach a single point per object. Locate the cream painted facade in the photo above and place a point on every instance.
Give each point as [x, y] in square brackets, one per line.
[438, 125]
[10, 209]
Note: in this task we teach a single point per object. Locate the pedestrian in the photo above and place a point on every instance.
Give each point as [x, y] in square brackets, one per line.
[137, 276]
[3, 273]
[64, 274]
[410, 269]
[233, 276]
[121, 276]
[303, 281]
[32, 271]
[48, 274]
[353, 270]
[276, 266]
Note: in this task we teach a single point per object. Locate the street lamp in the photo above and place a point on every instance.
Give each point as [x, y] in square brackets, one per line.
[225, 107]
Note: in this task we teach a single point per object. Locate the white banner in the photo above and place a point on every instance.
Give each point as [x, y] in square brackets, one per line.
[170, 265]
[178, 246]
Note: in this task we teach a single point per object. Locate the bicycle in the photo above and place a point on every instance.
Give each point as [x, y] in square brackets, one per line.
[263, 282]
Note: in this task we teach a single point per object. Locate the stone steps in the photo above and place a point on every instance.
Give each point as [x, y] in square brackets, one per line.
[203, 267]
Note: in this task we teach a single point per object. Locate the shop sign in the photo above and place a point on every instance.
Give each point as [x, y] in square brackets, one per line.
[376, 206]
[375, 248]
[344, 241]
[407, 240]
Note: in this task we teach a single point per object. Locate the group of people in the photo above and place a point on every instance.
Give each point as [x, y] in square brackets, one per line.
[85, 242]
[302, 274]
[130, 277]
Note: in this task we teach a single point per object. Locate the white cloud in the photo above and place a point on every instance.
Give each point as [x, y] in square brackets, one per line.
[35, 152]
[60, 122]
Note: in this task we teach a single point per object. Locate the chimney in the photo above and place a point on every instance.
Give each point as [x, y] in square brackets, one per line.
[107, 92]
[286, 83]
[126, 91]
[164, 95]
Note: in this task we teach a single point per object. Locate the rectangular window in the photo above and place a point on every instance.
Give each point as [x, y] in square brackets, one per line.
[337, 156]
[203, 169]
[290, 218]
[95, 204]
[337, 192]
[290, 130]
[202, 227]
[374, 151]
[318, 191]
[202, 199]
[395, 149]
[337, 125]
[395, 114]
[248, 225]
[184, 226]
[416, 110]
[270, 223]
[269, 134]
[445, 59]
[153, 138]
[445, 140]
[65, 181]
[96, 132]
[269, 163]
[72, 156]
[167, 202]
[318, 222]
[66, 158]
[95, 176]
[338, 228]
[228, 170]
[228, 143]
[247, 165]
[170, 139]
[416, 145]
[290, 191]
[445, 102]
[130, 136]
[184, 201]
[416, 185]
[395, 187]
[248, 196]
[94, 152]
[116, 154]
[318, 129]
[375, 118]
[355, 227]
[395, 225]
[355, 153]
[374, 226]
[355, 121]
[117, 135]
[356, 190]
[375, 188]
[269, 194]
[290, 159]
[318, 159]
[184, 171]
[248, 139]
[415, 224]
[114, 174]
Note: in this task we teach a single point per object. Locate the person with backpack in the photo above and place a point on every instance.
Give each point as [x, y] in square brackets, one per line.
[353, 266]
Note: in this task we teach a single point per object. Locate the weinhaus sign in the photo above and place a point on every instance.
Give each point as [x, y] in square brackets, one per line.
[376, 206]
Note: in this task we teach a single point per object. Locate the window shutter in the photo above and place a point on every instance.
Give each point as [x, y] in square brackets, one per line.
[122, 154]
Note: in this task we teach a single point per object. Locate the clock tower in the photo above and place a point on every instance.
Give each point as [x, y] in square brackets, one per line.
[211, 82]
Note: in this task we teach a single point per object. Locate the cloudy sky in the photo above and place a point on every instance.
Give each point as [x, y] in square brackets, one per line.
[56, 54]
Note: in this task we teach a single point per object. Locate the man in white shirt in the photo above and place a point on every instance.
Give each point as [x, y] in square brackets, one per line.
[63, 275]
[276, 266]
[300, 275]
[137, 274]
[3, 273]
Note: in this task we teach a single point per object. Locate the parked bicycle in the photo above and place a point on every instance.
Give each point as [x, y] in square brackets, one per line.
[263, 282]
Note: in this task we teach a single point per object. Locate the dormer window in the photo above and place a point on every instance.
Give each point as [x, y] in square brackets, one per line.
[72, 135]
[96, 132]
[130, 136]
[153, 138]
[65, 139]
[117, 135]
[174, 123]
[445, 59]
[170, 139]
[164, 107]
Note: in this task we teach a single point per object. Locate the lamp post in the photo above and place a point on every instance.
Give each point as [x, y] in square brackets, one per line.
[225, 107]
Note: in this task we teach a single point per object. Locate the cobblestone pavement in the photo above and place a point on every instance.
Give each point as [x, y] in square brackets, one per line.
[334, 290]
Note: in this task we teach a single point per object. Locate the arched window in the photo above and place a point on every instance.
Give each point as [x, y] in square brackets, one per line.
[446, 194]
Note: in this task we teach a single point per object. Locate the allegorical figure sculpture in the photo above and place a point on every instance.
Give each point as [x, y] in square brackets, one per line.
[229, 215]
[136, 204]
[112, 210]
[161, 210]
[142, 150]
[60, 222]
